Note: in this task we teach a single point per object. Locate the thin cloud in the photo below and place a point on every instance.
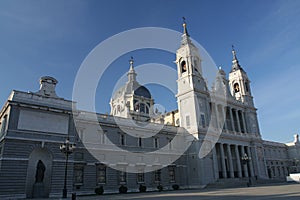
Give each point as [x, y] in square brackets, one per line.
[277, 99]
[282, 27]
[276, 84]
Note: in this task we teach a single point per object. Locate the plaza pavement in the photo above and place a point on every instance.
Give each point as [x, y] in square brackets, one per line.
[272, 192]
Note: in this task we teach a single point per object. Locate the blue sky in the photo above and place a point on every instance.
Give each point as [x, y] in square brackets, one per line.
[53, 38]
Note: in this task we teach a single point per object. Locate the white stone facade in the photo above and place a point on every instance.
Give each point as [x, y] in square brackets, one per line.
[34, 124]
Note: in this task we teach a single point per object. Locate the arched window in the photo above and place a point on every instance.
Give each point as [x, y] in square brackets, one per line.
[183, 66]
[247, 86]
[141, 107]
[236, 87]
[195, 62]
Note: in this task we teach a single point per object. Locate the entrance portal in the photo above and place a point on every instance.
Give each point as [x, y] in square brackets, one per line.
[39, 173]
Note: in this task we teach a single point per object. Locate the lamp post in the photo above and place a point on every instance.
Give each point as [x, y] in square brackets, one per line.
[67, 148]
[245, 161]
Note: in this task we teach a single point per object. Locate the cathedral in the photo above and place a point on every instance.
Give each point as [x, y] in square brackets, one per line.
[211, 139]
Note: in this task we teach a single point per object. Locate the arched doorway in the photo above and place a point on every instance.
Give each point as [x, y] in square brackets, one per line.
[39, 169]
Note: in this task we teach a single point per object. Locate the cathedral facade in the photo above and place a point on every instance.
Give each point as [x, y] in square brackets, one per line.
[219, 126]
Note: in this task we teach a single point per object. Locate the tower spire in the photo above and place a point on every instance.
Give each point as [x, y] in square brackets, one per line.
[131, 74]
[131, 61]
[233, 53]
[185, 36]
[184, 27]
[235, 61]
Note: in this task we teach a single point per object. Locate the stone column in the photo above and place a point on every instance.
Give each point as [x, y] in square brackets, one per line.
[244, 122]
[238, 120]
[286, 171]
[230, 161]
[244, 166]
[231, 119]
[217, 115]
[220, 117]
[215, 164]
[241, 121]
[250, 161]
[224, 172]
[238, 160]
[224, 116]
[242, 88]
[256, 162]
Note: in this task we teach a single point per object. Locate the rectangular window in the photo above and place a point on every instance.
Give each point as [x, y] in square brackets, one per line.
[122, 139]
[104, 136]
[122, 177]
[77, 138]
[78, 174]
[169, 143]
[81, 135]
[155, 141]
[140, 177]
[140, 142]
[3, 126]
[187, 121]
[101, 137]
[101, 174]
[172, 174]
[157, 176]
[203, 120]
[100, 134]
[78, 156]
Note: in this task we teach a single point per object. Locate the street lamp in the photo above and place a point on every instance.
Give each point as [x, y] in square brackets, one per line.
[245, 161]
[67, 148]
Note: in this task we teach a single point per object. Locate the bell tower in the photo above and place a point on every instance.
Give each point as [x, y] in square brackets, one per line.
[239, 82]
[240, 89]
[191, 85]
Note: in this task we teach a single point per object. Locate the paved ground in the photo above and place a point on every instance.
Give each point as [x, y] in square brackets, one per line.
[273, 192]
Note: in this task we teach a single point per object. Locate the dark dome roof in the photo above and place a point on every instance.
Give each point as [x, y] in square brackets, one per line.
[143, 92]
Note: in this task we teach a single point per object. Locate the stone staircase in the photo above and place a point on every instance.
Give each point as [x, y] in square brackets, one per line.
[270, 181]
[242, 182]
[229, 183]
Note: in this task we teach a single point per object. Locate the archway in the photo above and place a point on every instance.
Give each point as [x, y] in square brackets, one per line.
[39, 169]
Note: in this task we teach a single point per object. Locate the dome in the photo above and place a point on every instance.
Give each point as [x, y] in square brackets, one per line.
[142, 92]
[119, 92]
